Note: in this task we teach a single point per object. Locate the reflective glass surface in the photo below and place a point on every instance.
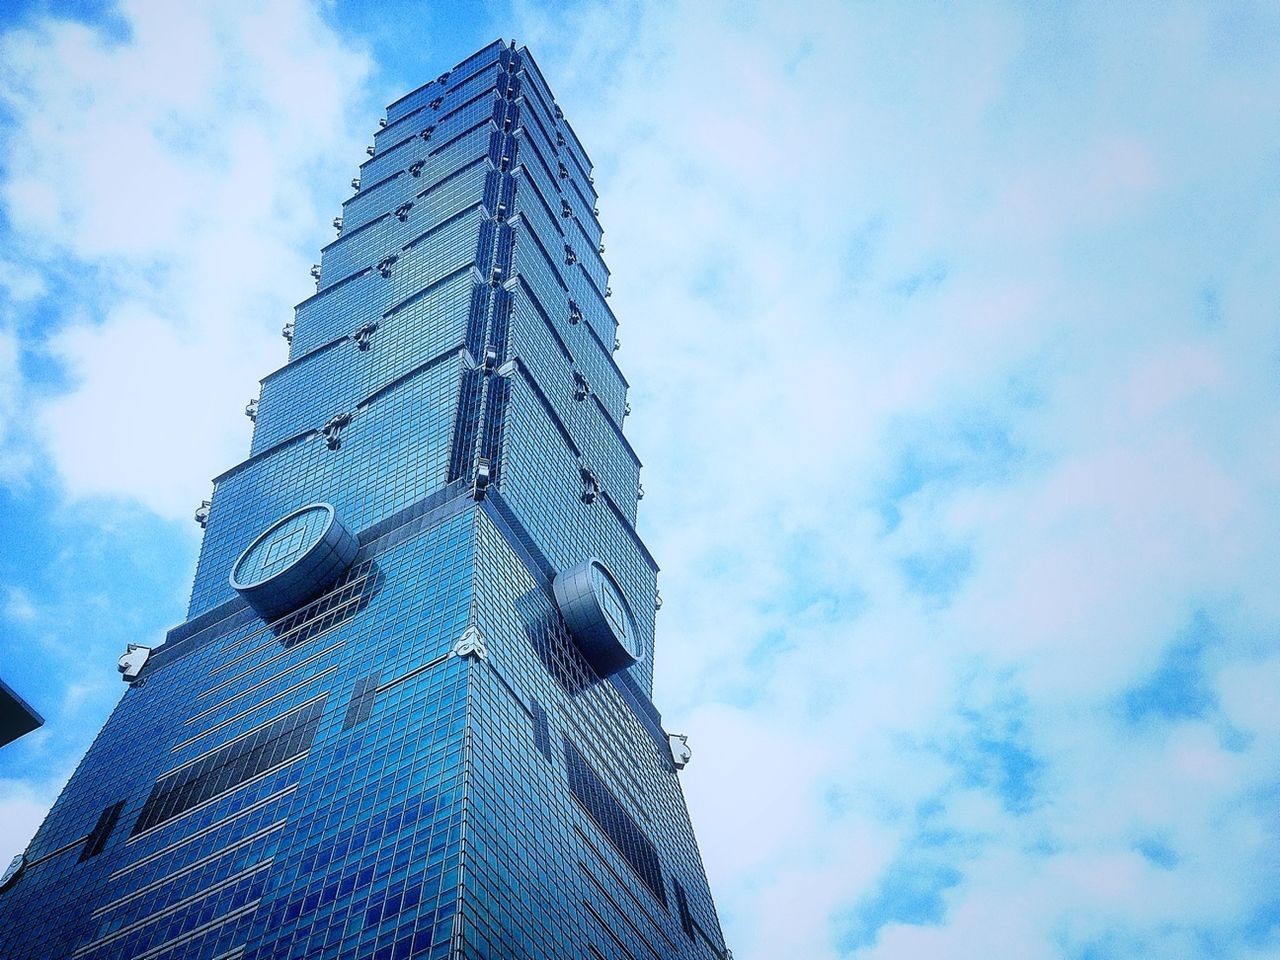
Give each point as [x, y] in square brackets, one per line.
[419, 762]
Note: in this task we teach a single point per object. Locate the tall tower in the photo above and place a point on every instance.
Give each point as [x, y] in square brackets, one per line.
[409, 712]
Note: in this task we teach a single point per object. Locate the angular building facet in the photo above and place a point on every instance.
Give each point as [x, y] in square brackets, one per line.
[17, 717]
[409, 713]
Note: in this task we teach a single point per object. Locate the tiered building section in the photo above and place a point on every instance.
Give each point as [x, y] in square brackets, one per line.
[409, 714]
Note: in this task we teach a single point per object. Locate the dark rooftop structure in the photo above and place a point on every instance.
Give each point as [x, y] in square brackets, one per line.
[17, 717]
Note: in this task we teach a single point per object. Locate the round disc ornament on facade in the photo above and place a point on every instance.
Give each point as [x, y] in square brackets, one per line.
[294, 560]
[598, 616]
[10, 877]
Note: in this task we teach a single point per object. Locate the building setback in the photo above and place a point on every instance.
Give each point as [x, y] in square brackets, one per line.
[409, 714]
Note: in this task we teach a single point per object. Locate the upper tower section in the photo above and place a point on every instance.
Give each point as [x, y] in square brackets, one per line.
[459, 342]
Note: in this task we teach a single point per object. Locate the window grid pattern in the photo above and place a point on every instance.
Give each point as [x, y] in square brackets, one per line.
[386, 237]
[409, 180]
[304, 394]
[229, 766]
[588, 421]
[531, 206]
[623, 832]
[441, 177]
[169, 889]
[582, 349]
[542, 481]
[337, 310]
[392, 455]
[535, 857]
[349, 780]
[469, 105]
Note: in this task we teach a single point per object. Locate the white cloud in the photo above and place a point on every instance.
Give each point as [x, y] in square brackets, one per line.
[24, 804]
[985, 292]
[10, 380]
[188, 201]
[19, 606]
[20, 284]
[988, 296]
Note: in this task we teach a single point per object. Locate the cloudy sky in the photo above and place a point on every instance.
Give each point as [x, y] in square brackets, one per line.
[953, 330]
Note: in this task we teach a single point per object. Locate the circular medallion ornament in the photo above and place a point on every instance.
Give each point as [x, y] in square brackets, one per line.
[298, 557]
[598, 616]
[11, 874]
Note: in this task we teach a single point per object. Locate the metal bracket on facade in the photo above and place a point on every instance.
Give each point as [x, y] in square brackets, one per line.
[435, 104]
[426, 134]
[315, 272]
[337, 223]
[415, 168]
[570, 258]
[355, 184]
[575, 311]
[386, 263]
[566, 211]
[581, 389]
[590, 484]
[251, 409]
[471, 644]
[363, 335]
[202, 513]
[402, 211]
[134, 659]
[680, 752]
[333, 430]
[287, 331]
[369, 149]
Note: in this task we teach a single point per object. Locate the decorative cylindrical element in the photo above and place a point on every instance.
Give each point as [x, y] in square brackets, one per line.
[294, 561]
[598, 616]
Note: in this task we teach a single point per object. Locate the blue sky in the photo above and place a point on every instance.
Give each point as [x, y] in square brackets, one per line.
[953, 331]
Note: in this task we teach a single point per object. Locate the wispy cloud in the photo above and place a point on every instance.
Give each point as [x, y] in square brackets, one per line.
[953, 341]
[166, 178]
[957, 399]
[167, 216]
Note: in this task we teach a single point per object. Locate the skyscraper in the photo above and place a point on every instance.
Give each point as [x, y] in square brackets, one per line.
[409, 713]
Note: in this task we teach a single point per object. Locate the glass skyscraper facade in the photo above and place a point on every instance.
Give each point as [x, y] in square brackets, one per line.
[409, 714]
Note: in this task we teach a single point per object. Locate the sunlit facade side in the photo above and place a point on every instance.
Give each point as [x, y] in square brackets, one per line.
[409, 714]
